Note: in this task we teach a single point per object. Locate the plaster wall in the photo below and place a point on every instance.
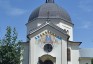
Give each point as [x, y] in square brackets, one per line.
[59, 51]
[64, 52]
[75, 54]
[67, 27]
[70, 62]
[25, 51]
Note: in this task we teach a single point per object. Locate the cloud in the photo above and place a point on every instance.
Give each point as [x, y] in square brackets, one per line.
[10, 9]
[16, 11]
[86, 5]
[86, 25]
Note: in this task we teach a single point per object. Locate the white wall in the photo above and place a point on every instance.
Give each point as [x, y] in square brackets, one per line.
[37, 51]
[64, 52]
[67, 27]
[59, 51]
[70, 62]
[75, 54]
[25, 53]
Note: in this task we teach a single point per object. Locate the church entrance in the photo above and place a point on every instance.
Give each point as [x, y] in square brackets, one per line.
[48, 62]
[47, 59]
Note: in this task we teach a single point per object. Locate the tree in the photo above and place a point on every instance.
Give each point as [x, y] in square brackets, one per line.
[10, 48]
[92, 61]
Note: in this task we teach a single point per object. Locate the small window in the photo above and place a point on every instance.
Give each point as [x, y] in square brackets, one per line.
[68, 32]
[68, 54]
[38, 24]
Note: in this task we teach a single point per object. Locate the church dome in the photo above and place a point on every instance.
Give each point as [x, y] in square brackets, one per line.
[49, 10]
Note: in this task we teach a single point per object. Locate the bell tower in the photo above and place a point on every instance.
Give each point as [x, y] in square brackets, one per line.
[47, 37]
[48, 45]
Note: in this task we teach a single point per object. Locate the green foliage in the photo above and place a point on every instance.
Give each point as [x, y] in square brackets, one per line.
[92, 61]
[10, 48]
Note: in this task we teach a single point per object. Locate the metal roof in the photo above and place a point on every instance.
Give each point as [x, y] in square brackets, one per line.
[50, 10]
[86, 52]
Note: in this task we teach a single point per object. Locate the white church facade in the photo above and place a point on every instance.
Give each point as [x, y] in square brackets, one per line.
[50, 38]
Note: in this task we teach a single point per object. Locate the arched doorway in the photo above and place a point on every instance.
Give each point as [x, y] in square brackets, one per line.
[46, 59]
[48, 62]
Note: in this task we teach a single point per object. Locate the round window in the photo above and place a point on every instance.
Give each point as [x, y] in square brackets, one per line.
[48, 48]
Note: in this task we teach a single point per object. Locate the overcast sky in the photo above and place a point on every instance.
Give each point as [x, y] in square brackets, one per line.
[15, 13]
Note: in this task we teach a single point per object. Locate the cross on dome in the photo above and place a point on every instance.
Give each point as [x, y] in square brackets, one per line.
[49, 1]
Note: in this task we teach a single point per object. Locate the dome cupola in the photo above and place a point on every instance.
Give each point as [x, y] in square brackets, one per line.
[51, 10]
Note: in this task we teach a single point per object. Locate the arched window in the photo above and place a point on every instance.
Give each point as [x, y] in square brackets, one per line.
[68, 32]
[68, 54]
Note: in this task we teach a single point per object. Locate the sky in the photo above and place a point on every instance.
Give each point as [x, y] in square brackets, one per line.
[15, 13]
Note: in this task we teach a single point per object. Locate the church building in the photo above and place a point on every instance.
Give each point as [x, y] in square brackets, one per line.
[50, 38]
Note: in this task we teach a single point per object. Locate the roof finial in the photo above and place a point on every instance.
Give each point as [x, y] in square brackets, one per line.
[49, 1]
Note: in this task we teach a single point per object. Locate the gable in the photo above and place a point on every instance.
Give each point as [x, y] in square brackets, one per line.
[49, 27]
